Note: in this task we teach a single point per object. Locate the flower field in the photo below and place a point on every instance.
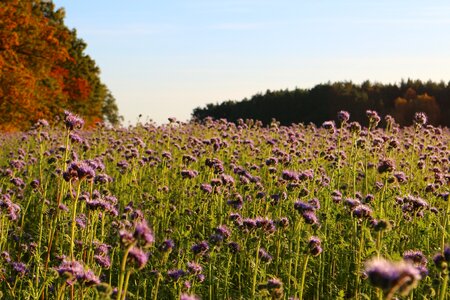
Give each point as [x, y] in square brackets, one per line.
[217, 210]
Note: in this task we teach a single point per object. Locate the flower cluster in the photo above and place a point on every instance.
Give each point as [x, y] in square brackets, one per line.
[392, 277]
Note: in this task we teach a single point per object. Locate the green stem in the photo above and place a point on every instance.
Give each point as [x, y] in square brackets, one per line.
[127, 278]
[443, 291]
[255, 273]
[74, 213]
[302, 283]
[122, 270]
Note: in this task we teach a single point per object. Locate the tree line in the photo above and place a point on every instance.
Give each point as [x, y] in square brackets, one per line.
[323, 101]
[44, 69]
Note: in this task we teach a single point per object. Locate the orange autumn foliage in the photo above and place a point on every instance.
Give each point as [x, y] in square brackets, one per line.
[40, 73]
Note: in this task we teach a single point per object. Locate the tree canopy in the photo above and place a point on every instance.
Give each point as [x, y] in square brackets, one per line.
[323, 101]
[44, 70]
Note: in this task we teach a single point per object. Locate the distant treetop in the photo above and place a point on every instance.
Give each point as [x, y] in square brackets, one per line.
[324, 101]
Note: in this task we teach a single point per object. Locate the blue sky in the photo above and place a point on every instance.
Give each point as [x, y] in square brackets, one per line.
[164, 58]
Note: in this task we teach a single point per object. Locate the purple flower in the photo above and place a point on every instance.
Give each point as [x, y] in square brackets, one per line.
[227, 179]
[302, 207]
[189, 297]
[392, 276]
[138, 257]
[329, 125]
[362, 211]
[223, 231]
[314, 245]
[72, 121]
[386, 165]
[264, 255]
[234, 247]
[175, 274]
[78, 171]
[74, 271]
[289, 175]
[167, 246]
[194, 268]
[343, 116]
[5, 256]
[400, 176]
[75, 138]
[81, 220]
[310, 217]
[207, 188]
[188, 174]
[19, 268]
[374, 118]
[420, 119]
[200, 248]
[249, 223]
[442, 260]
[103, 261]
[143, 233]
[416, 257]
[41, 123]
[274, 283]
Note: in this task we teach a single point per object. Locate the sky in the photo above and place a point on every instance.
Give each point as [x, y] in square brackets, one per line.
[163, 58]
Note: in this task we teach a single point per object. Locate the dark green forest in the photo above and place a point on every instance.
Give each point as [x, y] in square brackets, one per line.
[323, 101]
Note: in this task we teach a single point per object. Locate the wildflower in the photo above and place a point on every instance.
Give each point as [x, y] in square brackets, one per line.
[442, 260]
[5, 256]
[302, 207]
[189, 297]
[362, 211]
[343, 116]
[194, 268]
[392, 277]
[138, 257]
[75, 138]
[78, 171]
[207, 188]
[386, 165]
[275, 288]
[200, 248]
[283, 222]
[103, 261]
[72, 121]
[400, 176]
[234, 247]
[175, 274]
[143, 233]
[19, 268]
[264, 255]
[227, 179]
[355, 127]
[420, 119]
[41, 123]
[314, 245]
[289, 175]
[74, 271]
[249, 223]
[419, 260]
[329, 125]
[81, 220]
[310, 217]
[188, 174]
[167, 246]
[223, 231]
[374, 119]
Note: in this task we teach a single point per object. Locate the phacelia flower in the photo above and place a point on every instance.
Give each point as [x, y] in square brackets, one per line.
[138, 257]
[72, 121]
[392, 277]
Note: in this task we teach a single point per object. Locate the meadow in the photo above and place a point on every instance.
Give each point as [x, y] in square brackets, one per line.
[218, 210]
